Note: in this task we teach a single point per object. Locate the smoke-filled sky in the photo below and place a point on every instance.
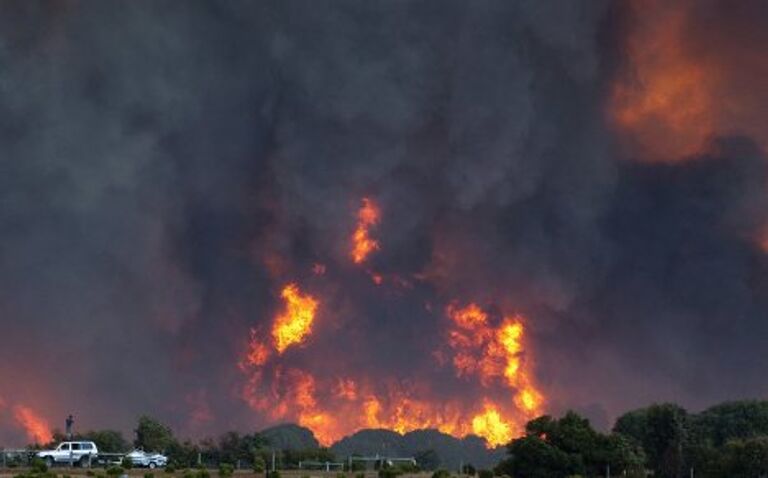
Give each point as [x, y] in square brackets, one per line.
[594, 171]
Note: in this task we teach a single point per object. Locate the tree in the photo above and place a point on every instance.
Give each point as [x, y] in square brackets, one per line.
[107, 441]
[570, 446]
[532, 457]
[151, 435]
[662, 431]
[745, 458]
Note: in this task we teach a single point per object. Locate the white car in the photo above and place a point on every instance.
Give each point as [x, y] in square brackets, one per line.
[150, 460]
[80, 452]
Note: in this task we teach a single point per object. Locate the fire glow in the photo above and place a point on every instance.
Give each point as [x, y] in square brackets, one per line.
[37, 428]
[362, 243]
[482, 350]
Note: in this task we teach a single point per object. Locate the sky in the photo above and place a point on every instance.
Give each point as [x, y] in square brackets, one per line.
[593, 171]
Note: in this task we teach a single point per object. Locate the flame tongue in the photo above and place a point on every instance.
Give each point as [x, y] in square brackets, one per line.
[295, 324]
[362, 243]
[36, 427]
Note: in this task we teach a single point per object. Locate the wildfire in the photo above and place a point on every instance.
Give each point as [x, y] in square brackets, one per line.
[493, 353]
[485, 347]
[481, 347]
[295, 323]
[362, 243]
[491, 426]
[35, 426]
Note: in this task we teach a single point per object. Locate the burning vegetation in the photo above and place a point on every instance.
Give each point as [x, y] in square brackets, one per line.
[488, 354]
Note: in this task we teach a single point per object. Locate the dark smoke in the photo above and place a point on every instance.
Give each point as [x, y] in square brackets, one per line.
[155, 154]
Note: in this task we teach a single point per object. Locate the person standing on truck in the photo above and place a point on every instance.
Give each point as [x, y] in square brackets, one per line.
[70, 421]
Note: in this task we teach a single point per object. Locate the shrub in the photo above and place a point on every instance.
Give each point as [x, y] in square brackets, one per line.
[485, 474]
[170, 469]
[273, 474]
[127, 463]
[441, 474]
[259, 465]
[203, 473]
[360, 475]
[390, 472]
[115, 470]
[188, 474]
[149, 475]
[90, 473]
[226, 469]
[38, 466]
[341, 475]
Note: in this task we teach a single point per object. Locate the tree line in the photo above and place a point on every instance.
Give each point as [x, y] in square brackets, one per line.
[729, 440]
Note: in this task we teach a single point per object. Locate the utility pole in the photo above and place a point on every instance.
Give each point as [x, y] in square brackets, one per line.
[692, 472]
[273, 459]
[607, 471]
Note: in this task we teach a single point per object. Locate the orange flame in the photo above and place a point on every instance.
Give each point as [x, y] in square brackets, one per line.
[332, 406]
[35, 426]
[362, 243]
[295, 323]
[493, 354]
[492, 426]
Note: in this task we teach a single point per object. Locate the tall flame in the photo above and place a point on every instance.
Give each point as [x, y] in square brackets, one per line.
[295, 323]
[362, 242]
[34, 425]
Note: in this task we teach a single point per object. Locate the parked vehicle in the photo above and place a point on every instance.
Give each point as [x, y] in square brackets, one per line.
[150, 460]
[74, 452]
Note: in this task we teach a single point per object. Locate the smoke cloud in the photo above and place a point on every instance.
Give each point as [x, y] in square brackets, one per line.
[168, 167]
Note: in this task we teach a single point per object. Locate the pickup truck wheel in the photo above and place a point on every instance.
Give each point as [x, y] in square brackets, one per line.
[49, 461]
[152, 465]
[84, 462]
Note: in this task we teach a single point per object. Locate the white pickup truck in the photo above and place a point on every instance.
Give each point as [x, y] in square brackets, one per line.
[75, 452]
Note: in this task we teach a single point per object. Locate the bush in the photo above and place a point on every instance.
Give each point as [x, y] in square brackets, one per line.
[39, 466]
[360, 475]
[273, 474]
[170, 469]
[149, 475]
[188, 474]
[226, 469]
[259, 465]
[115, 470]
[485, 474]
[390, 472]
[203, 473]
[127, 463]
[441, 474]
[90, 473]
